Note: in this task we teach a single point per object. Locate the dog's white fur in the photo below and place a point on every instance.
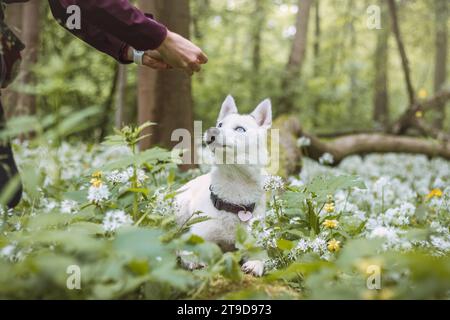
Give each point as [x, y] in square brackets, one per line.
[235, 181]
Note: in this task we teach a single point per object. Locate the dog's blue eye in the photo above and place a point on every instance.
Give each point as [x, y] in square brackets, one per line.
[239, 129]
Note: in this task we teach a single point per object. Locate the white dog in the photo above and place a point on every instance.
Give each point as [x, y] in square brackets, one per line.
[232, 192]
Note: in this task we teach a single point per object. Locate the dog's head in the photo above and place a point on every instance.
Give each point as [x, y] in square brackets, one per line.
[240, 139]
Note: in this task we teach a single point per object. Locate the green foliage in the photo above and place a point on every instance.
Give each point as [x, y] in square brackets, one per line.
[129, 258]
[139, 258]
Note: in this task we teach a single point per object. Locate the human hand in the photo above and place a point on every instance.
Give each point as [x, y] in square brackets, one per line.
[151, 59]
[180, 53]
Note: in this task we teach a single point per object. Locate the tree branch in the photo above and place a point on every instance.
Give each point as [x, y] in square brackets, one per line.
[409, 118]
[402, 50]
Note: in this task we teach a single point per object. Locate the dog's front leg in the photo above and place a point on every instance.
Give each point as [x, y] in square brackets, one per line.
[253, 267]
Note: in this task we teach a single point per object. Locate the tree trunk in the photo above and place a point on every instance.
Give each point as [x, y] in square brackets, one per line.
[353, 68]
[296, 57]
[258, 27]
[200, 14]
[14, 17]
[121, 96]
[14, 21]
[165, 97]
[30, 36]
[317, 33]
[108, 106]
[381, 58]
[440, 64]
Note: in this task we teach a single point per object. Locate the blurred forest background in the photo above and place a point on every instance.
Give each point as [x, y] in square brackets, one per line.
[318, 60]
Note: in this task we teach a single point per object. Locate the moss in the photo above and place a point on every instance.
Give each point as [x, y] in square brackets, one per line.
[248, 287]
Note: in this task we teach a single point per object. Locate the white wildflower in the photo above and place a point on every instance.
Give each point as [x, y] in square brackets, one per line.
[49, 205]
[318, 245]
[303, 142]
[117, 176]
[302, 245]
[383, 232]
[115, 219]
[98, 194]
[11, 253]
[440, 243]
[296, 182]
[163, 205]
[273, 183]
[140, 174]
[8, 251]
[68, 206]
[437, 227]
[439, 184]
[407, 209]
[326, 158]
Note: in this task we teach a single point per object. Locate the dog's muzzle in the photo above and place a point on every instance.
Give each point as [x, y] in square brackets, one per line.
[211, 135]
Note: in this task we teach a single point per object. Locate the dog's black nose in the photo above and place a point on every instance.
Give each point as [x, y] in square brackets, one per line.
[211, 135]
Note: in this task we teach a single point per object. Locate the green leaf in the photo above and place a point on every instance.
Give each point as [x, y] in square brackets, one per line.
[284, 244]
[87, 227]
[75, 122]
[139, 267]
[138, 190]
[179, 279]
[296, 270]
[324, 186]
[48, 220]
[79, 196]
[142, 243]
[196, 220]
[231, 268]
[194, 239]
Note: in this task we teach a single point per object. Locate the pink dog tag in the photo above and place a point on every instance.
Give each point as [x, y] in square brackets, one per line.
[245, 215]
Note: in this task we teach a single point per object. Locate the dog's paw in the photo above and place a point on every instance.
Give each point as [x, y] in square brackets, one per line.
[254, 267]
[194, 265]
[187, 260]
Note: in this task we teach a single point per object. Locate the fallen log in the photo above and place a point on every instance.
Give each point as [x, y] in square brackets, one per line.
[353, 144]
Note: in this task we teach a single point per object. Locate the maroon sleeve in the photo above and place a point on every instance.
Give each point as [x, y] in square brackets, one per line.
[92, 35]
[122, 20]
[112, 25]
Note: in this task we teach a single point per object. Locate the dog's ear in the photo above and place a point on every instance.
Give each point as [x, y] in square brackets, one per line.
[263, 114]
[228, 107]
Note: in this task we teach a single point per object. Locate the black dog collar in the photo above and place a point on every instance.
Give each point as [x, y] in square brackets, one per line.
[220, 204]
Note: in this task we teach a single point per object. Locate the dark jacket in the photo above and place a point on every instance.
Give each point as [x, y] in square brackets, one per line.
[10, 48]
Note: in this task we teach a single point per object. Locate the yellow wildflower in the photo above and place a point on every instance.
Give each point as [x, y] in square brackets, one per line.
[330, 224]
[96, 182]
[419, 114]
[329, 207]
[97, 175]
[334, 245]
[434, 193]
[423, 93]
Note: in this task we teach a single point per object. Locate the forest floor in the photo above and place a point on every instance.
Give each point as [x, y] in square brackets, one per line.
[319, 234]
